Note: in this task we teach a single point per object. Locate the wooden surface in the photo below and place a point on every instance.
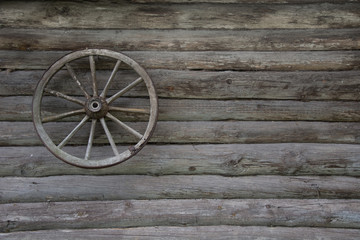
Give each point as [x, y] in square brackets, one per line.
[141, 213]
[82, 188]
[22, 133]
[199, 232]
[234, 60]
[119, 15]
[302, 85]
[258, 133]
[181, 40]
[19, 109]
[291, 159]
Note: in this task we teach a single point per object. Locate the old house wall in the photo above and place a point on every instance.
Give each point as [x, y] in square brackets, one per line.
[258, 133]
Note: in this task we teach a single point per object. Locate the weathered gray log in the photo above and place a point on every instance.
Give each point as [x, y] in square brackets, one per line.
[220, 159]
[234, 60]
[124, 187]
[138, 213]
[22, 133]
[122, 15]
[199, 232]
[342, 85]
[19, 109]
[181, 40]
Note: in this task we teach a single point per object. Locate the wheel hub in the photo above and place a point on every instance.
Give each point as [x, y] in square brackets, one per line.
[96, 107]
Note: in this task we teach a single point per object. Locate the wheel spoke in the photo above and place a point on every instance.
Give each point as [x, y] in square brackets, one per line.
[117, 65]
[77, 128]
[109, 136]
[90, 106]
[63, 115]
[74, 77]
[132, 110]
[91, 139]
[124, 90]
[126, 127]
[93, 75]
[64, 96]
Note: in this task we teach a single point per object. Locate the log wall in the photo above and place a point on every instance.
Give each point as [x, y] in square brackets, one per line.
[259, 125]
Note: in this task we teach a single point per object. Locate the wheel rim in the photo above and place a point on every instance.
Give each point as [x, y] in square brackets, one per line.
[96, 108]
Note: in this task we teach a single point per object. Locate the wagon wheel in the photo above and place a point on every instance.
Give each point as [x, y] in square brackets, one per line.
[96, 107]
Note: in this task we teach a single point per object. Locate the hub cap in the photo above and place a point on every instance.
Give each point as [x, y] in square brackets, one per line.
[96, 107]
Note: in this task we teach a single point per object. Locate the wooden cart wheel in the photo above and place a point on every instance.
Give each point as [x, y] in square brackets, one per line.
[96, 107]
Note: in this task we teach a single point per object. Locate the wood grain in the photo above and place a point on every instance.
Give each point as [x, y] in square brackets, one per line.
[259, 121]
[139, 213]
[320, 85]
[235, 60]
[125, 187]
[219, 159]
[199, 232]
[181, 40]
[123, 15]
[22, 133]
[19, 109]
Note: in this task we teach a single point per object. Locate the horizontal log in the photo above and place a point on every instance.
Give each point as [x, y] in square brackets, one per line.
[181, 40]
[140, 213]
[342, 85]
[19, 109]
[124, 15]
[123, 187]
[23, 133]
[199, 232]
[235, 60]
[220, 159]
